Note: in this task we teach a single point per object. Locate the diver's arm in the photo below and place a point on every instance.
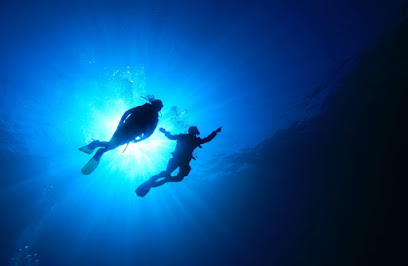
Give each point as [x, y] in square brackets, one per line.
[211, 136]
[168, 134]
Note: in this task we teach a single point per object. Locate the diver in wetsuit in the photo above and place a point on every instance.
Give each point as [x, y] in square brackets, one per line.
[135, 125]
[186, 144]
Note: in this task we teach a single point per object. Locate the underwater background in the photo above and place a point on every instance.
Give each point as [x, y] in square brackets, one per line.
[306, 171]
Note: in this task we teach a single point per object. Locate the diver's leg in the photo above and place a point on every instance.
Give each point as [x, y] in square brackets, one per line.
[159, 182]
[159, 175]
[120, 137]
[104, 144]
[99, 154]
[123, 135]
[153, 181]
[183, 172]
[185, 169]
[93, 162]
[91, 146]
[171, 166]
[145, 187]
[177, 178]
[109, 145]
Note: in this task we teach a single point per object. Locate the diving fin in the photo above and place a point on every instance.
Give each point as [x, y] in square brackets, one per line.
[90, 166]
[143, 189]
[90, 147]
[86, 149]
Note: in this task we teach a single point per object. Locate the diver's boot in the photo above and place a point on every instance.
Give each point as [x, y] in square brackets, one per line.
[93, 163]
[90, 147]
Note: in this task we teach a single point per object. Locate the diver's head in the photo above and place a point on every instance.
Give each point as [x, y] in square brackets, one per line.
[157, 105]
[193, 130]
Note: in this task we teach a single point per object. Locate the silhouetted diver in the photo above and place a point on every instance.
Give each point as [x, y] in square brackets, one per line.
[135, 125]
[186, 144]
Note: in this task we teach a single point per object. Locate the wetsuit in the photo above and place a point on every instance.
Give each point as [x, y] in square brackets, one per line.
[136, 124]
[186, 144]
[183, 154]
[140, 122]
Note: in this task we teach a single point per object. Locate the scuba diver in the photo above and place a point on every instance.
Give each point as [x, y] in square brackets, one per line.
[186, 144]
[135, 125]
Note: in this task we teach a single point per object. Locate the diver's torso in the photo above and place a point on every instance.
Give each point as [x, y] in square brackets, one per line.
[185, 146]
[147, 117]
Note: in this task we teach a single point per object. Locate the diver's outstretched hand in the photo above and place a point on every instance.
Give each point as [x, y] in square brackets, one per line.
[162, 130]
[218, 130]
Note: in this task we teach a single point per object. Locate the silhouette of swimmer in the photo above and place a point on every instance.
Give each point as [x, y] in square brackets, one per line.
[186, 144]
[135, 125]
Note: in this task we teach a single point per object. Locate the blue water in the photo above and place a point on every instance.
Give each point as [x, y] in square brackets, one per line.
[69, 70]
